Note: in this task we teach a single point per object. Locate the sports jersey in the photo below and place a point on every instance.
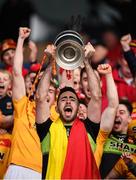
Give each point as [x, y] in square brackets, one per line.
[5, 144]
[25, 149]
[122, 169]
[100, 141]
[113, 148]
[43, 132]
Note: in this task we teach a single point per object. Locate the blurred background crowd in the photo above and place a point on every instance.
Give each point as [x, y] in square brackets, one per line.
[108, 25]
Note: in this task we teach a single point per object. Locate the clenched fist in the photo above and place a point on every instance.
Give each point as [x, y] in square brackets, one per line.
[24, 32]
[89, 50]
[104, 69]
[50, 50]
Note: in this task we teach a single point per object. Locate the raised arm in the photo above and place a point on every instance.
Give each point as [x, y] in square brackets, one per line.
[94, 105]
[18, 80]
[42, 104]
[108, 115]
[128, 53]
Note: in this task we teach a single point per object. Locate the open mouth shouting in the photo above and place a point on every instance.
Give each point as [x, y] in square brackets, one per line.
[2, 90]
[2, 87]
[117, 122]
[68, 110]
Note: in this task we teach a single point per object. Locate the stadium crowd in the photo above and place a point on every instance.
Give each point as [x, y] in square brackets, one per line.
[70, 124]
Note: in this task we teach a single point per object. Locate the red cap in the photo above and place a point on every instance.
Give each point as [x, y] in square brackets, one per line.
[6, 45]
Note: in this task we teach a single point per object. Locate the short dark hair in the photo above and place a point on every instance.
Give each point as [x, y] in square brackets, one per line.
[83, 70]
[82, 101]
[128, 105]
[67, 88]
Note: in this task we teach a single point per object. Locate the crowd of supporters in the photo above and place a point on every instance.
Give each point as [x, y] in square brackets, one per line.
[46, 111]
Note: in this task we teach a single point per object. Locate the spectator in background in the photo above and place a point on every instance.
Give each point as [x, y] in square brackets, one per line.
[129, 51]
[7, 52]
[6, 106]
[128, 47]
[124, 71]
[124, 82]
[14, 14]
[82, 111]
[6, 120]
[111, 40]
[100, 55]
